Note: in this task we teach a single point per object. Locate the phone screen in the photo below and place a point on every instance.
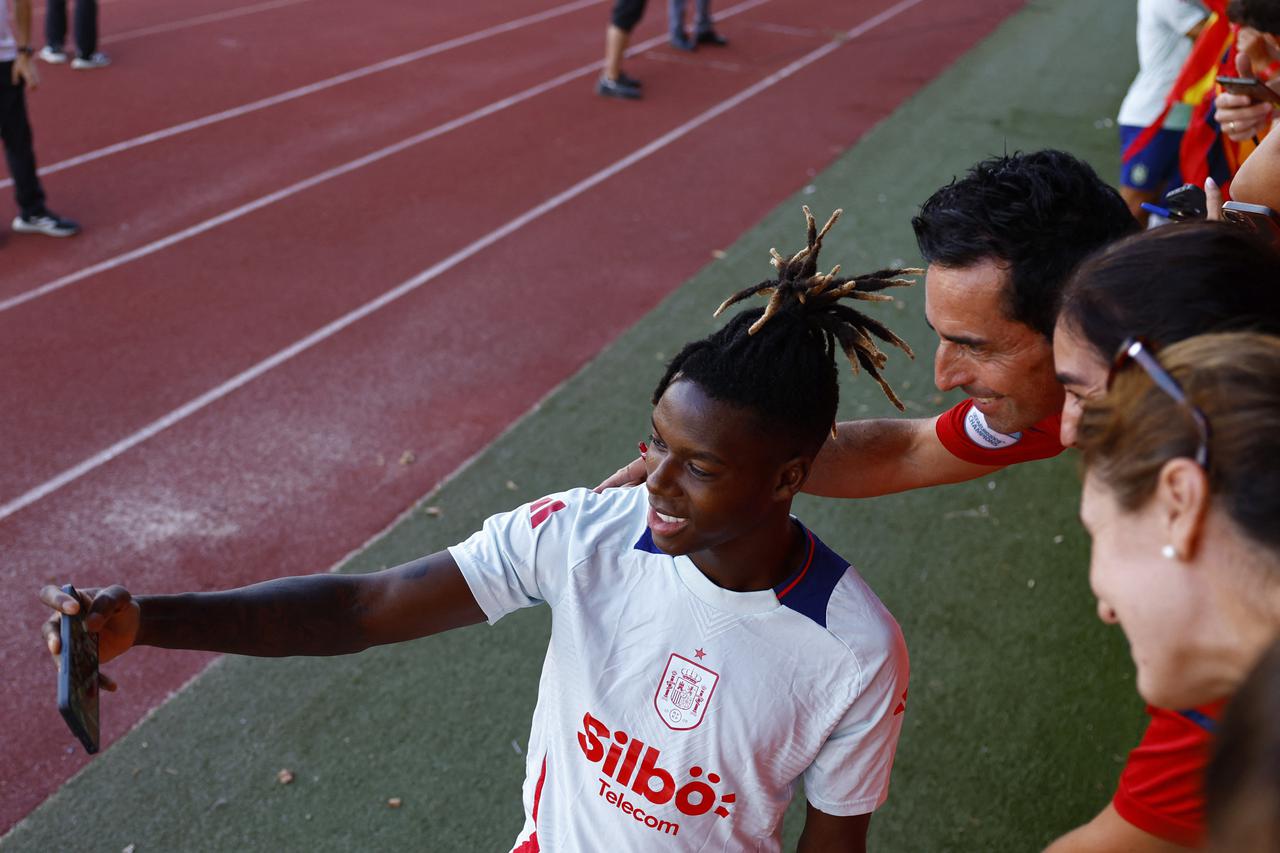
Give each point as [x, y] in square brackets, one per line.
[78, 679]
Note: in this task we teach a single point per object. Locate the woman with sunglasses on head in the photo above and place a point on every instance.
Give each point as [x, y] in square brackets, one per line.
[1164, 285]
[1181, 495]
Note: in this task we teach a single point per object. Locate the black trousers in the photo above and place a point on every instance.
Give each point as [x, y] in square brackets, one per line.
[55, 25]
[19, 146]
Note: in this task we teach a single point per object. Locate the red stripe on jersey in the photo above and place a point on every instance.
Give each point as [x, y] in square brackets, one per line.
[531, 846]
[804, 571]
[541, 510]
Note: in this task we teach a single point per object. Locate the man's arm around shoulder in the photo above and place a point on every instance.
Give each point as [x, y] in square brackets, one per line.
[869, 458]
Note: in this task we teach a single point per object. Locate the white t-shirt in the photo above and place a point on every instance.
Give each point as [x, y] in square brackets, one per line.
[676, 715]
[1163, 48]
[8, 47]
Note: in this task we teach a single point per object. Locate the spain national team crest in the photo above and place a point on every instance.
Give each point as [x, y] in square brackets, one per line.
[684, 693]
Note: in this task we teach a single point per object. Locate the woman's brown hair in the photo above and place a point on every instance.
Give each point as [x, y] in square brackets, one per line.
[1128, 435]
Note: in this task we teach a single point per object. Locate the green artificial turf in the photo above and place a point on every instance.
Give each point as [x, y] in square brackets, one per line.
[1021, 705]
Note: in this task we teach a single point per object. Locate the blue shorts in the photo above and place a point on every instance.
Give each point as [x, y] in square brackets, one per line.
[1155, 167]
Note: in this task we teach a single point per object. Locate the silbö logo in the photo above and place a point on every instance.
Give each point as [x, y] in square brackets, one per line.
[632, 766]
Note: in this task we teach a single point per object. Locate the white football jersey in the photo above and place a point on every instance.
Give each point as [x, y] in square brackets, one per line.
[676, 715]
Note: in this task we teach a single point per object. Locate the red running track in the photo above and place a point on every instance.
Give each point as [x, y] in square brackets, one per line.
[157, 427]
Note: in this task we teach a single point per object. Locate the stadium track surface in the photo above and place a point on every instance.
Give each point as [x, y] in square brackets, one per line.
[207, 253]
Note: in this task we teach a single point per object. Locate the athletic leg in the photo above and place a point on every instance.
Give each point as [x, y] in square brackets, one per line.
[55, 23]
[86, 27]
[19, 144]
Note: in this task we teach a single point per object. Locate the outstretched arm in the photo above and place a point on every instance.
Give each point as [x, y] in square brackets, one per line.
[326, 614]
[879, 457]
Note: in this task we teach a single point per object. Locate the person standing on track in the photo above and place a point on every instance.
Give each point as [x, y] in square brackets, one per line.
[707, 651]
[86, 30]
[1166, 31]
[613, 82]
[18, 73]
[704, 31]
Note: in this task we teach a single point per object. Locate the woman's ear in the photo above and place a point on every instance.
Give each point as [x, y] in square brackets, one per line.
[792, 476]
[1182, 495]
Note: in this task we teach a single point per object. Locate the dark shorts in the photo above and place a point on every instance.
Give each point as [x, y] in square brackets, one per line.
[1155, 167]
[626, 14]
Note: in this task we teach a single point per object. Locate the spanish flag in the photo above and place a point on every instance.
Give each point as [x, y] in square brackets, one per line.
[1213, 54]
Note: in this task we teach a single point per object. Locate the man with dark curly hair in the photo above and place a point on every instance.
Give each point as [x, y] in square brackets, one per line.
[1000, 243]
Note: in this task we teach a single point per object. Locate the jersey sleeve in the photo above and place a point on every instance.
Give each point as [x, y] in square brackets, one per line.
[1160, 786]
[850, 775]
[1181, 16]
[522, 558]
[964, 432]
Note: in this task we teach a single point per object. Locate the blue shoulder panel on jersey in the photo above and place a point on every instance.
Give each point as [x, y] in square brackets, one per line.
[645, 543]
[1204, 721]
[809, 590]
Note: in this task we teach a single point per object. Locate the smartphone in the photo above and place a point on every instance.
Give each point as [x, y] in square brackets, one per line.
[1251, 86]
[1258, 218]
[78, 679]
[1185, 202]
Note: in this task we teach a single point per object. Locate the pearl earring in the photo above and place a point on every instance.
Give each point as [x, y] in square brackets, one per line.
[1168, 552]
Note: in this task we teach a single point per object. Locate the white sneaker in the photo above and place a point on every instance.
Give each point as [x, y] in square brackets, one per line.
[52, 56]
[45, 222]
[96, 60]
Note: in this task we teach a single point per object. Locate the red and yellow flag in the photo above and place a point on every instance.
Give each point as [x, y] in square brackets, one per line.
[1213, 54]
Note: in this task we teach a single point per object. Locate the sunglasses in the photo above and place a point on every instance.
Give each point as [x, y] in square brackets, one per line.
[1136, 350]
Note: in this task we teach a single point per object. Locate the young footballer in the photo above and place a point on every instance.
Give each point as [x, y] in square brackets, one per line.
[707, 651]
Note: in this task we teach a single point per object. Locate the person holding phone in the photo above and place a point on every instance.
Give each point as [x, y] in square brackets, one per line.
[1166, 31]
[1244, 117]
[697, 626]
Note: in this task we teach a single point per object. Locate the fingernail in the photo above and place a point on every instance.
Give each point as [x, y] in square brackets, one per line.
[1210, 184]
[644, 448]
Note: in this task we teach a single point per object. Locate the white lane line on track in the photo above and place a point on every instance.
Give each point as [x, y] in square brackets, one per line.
[329, 174]
[211, 18]
[310, 88]
[407, 287]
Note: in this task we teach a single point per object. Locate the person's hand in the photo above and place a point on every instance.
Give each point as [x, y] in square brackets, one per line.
[631, 474]
[111, 613]
[1255, 52]
[1241, 117]
[24, 71]
[1212, 200]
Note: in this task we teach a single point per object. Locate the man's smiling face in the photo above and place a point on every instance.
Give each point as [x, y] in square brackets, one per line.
[1004, 365]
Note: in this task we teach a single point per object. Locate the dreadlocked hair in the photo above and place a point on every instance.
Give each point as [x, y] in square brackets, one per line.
[780, 360]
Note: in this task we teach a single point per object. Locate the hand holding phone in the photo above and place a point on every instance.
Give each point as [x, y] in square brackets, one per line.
[1250, 87]
[78, 678]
